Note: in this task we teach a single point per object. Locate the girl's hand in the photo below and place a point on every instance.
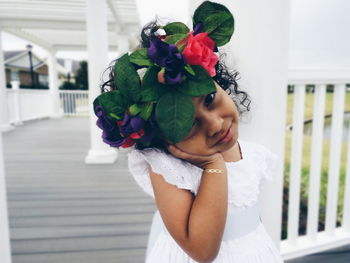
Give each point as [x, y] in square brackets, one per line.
[202, 161]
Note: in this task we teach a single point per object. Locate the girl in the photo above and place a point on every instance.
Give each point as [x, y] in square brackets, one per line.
[183, 124]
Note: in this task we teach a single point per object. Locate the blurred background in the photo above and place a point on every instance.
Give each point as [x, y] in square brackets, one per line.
[65, 196]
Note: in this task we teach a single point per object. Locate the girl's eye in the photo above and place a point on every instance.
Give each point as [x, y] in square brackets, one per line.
[209, 99]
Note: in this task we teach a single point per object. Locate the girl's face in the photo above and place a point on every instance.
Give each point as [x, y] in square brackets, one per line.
[215, 127]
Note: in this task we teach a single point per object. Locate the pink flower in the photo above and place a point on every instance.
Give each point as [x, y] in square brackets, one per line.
[199, 51]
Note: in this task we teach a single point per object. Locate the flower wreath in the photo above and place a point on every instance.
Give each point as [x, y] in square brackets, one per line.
[180, 64]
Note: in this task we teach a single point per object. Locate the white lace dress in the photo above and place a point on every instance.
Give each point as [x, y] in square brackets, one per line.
[245, 239]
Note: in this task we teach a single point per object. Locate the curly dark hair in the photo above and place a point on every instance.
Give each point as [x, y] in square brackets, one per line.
[226, 78]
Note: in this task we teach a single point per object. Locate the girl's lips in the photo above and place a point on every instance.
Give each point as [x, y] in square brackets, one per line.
[227, 137]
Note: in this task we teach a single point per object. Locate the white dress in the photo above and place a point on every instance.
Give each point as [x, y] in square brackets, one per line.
[245, 239]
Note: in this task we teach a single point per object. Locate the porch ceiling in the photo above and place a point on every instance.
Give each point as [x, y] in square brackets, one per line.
[62, 24]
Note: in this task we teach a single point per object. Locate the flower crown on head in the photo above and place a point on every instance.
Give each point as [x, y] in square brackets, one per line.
[180, 65]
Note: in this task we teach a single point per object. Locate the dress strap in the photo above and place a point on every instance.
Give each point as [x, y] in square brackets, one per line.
[240, 149]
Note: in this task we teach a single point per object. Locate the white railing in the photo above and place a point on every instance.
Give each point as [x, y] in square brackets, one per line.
[296, 245]
[74, 102]
[31, 104]
[28, 104]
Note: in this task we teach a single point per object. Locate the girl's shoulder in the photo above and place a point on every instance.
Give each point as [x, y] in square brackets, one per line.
[261, 157]
[174, 171]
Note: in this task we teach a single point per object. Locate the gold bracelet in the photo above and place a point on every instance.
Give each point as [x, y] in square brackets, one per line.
[214, 171]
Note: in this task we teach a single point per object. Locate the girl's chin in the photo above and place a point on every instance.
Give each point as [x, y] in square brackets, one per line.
[227, 146]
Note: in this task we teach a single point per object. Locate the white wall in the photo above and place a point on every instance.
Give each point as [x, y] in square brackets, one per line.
[320, 33]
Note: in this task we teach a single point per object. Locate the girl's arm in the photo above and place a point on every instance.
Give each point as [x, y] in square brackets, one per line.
[195, 222]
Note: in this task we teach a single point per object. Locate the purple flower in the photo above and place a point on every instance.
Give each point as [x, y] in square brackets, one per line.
[110, 130]
[198, 28]
[132, 126]
[167, 56]
[124, 133]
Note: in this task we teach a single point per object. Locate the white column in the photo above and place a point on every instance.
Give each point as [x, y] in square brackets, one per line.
[259, 51]
[5, 248]
[4, 117]
[17, 104]
[53, 84]
[97, 40]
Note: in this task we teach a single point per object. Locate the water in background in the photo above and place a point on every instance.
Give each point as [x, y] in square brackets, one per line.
[328, 126]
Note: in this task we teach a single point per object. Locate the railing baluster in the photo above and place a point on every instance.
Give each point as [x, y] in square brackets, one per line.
[64, 97]
[316, 161]
[334, 160]
[71, 101]
[78, 103]
[74, 103]
[295, 171]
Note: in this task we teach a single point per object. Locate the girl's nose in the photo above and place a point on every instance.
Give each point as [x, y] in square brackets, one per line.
[215, 125]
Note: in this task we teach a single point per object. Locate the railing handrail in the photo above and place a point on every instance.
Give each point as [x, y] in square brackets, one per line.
[74, 91]
[318, 75]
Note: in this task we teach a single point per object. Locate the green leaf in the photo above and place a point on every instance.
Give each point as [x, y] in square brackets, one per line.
[217, 21]
[127, 80]
[144, 109]
[140, 57]
[220, 27]
[151, 88]
[175, 113]
[118, 118]
[199, 85]
[112, 103]
[175, 28]
[205, 9]
[135, 109]
[175, 39]
[189, 70]
[147, 111]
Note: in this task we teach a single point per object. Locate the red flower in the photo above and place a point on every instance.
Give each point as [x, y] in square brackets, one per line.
[128, 143]
[199, 51]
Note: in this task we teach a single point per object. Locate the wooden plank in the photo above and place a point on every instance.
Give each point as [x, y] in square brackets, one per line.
[52, 232]
[102, 256]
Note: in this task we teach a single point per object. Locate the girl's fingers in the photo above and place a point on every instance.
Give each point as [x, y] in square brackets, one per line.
[183, 155]
[177, 152]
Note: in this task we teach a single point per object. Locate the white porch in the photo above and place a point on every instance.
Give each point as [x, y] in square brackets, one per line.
[263, 64]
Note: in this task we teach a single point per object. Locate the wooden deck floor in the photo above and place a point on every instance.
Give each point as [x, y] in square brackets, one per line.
[62, 210]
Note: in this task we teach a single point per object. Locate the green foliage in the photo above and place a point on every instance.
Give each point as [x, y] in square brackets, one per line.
[176, 28]
[144, 109]
[151, 88]
[127, 79]
[174, 113]
[199, 85]
[140, 58]
[66, 85]
[217, 21]
[189, 69]
[32, 87]
[81, 78]
[113, 103]
[175, 39]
